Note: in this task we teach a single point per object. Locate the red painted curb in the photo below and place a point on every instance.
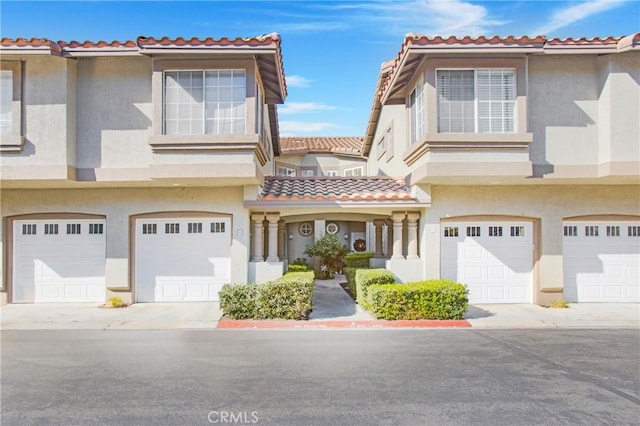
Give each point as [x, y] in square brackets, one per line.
[377, 324]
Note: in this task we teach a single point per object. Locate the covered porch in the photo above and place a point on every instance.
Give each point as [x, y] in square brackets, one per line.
[376, 214]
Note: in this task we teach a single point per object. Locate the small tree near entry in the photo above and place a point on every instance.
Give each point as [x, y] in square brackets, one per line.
[331, 251]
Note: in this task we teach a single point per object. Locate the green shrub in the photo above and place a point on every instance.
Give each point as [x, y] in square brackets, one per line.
[238, 301]
[350, 275]
[285, 299]
[331, 251]
[297, 268]
[368, 277]
[432, 299]
[358, 260]
[302, 261]
[288, 297]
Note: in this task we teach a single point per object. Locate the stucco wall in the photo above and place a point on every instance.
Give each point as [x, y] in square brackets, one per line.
[563, 109]
[114, 114]
[619, 107]
[394, 116]
[48, 99]
[321, 163]
[119, 204]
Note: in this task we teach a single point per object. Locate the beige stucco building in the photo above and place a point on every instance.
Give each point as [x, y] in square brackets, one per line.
[153, 169]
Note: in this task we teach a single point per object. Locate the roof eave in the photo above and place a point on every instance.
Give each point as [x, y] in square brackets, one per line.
[328, 204]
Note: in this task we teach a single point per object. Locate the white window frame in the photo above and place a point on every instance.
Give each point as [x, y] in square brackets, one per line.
[331, 173]
[308, 173]
[477, 102]
[305, 229]
[286, 171]
[388, 142]
[6, 102]
[233, 118]
[415, 104]
[352, 170]
[11, 138]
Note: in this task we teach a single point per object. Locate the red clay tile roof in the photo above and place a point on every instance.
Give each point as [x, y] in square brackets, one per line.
[332, 144]
[335, 189]
[266, 49]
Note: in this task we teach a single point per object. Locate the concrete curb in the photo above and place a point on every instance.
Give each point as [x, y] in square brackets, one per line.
[315, 325]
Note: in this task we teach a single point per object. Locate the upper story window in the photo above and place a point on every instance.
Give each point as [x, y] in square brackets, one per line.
[259, 109]
[416, 112]
[6, 102]
[286, 171]
[308, 172]
[476, 101]
[354, 171]
[204, 102]
[331, 173]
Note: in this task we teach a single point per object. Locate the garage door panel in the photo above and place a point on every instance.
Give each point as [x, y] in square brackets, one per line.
[182, 265]
[493, 264]
[602, 268]
[50, 267]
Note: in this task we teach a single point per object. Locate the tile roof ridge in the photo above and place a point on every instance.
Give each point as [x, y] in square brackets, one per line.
[223, 40]
[585, 40]
[99, 43]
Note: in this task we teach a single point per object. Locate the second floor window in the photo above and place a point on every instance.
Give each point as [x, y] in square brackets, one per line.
[6, 99]
[476, 101]
[416, 112]
[355, 171]
[208, 102]
[286, 171]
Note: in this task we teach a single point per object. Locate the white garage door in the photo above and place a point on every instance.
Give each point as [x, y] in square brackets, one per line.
[601, 261]
[58, 261]
[493, 259]
[186, 259]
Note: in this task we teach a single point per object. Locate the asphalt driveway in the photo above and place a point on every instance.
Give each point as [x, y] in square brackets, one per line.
[321, 377]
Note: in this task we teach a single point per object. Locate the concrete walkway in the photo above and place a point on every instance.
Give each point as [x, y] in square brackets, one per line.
[332, 308]
[332, 303]
[91, 316]
[577, 315]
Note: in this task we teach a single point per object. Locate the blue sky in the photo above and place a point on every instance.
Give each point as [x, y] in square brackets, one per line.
[332, 49]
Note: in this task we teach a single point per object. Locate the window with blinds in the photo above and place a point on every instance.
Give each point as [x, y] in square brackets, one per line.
[6, 99]
[416, 112]
[476, 101]
[204, 102]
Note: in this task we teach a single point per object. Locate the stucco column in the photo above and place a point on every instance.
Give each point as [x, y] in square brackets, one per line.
[412, 235]
[258, 237]
[389, 224]
[378, 225]
[282, 237]
[397, 218]
[272, 255]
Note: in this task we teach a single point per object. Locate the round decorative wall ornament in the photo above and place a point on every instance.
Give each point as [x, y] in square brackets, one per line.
[332, 228]
[305, 229]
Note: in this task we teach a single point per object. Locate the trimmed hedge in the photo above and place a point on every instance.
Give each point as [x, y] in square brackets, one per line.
[350, 275]
[365, 278]
[358, 260]
[288, 297]
[297, 268]
[432, 299]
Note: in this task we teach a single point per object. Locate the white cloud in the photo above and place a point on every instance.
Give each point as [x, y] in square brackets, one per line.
[288, 128]
[303, 107]
[430, 17]
[567, 16]
[298, 81]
